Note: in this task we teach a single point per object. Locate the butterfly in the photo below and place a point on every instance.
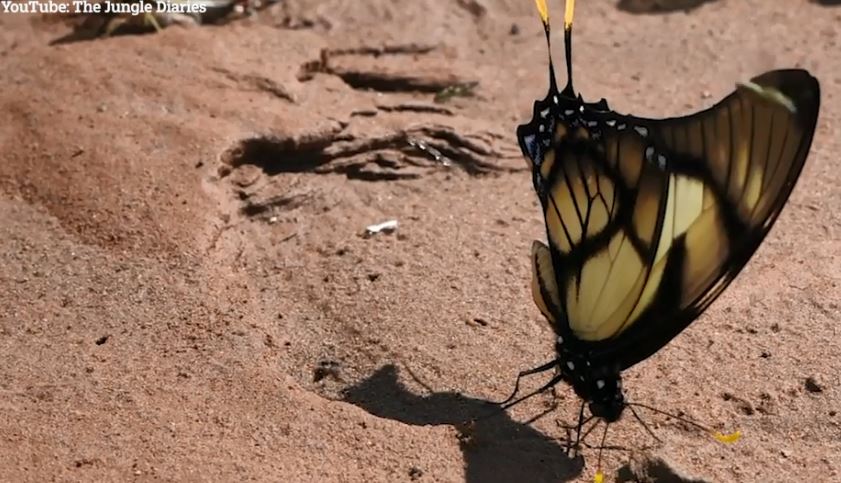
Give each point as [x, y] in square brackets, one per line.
[649, 220]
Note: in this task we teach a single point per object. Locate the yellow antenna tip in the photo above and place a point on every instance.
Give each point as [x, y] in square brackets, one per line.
[568, 14]
[728, 438]
[598, 477]
[543, 10]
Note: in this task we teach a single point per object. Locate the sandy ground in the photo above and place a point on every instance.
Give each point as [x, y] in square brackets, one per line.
[186, 294]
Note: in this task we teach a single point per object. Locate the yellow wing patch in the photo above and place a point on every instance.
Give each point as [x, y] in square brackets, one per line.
[604, 295]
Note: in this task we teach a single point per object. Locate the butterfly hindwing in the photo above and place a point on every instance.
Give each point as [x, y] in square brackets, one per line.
[544, 286]
[649, 220]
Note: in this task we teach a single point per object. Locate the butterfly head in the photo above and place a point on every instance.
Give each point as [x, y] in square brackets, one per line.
[606, 400]
[597, 383]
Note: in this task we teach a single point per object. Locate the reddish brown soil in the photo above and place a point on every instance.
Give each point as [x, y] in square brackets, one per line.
[186, 294]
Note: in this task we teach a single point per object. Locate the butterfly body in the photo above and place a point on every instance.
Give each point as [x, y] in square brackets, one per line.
[563, 124]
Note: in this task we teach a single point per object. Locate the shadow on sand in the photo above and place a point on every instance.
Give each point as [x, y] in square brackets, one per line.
[496, 448]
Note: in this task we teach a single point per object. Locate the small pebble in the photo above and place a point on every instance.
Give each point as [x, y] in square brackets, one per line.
[415, 473]
[813, 386]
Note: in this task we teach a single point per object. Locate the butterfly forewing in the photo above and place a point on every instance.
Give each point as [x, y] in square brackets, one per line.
[649, 220]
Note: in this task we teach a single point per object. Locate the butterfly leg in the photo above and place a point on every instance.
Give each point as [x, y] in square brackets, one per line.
[647, 429]
[558, 378]
[536, 370]
[543, 413]
[570, 444]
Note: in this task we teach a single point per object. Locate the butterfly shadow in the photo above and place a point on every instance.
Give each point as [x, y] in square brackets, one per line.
[496, 448]
[659, 8]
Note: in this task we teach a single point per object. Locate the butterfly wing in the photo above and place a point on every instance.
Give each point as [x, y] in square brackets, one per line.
[649, 220]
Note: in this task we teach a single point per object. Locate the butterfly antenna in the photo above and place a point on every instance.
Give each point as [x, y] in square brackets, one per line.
[568, 14]
[599, 476]
[721, 437]
[543, 10]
